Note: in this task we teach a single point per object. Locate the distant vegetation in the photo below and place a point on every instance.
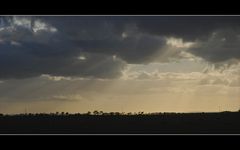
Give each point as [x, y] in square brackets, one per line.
[99, 122]
[98, 113]
[101, 113]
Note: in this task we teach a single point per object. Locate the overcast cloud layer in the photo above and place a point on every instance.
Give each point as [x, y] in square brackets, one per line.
[101, 47]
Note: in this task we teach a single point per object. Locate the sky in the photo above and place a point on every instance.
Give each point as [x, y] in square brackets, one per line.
[119, 63]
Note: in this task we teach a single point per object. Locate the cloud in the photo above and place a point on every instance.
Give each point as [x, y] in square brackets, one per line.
[101, 46]
[221, 46]
[189, 28]
[44, 88]
[55, 78]
[217, 76]
[113, 36]
[74, 97]
[137, 38]
[31, 47]
[216, 38]
[164, 76]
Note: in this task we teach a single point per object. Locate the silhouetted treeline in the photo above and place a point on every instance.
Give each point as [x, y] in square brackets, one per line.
[99, 113]
[98, 122]
[81, 114]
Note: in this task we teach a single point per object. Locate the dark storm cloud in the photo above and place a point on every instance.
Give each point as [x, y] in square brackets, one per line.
[218, 37]
[187, 27]
[110, 35]
[105, 34]
[22, 62]
[25, 53]
[31, 46]
[222, 45]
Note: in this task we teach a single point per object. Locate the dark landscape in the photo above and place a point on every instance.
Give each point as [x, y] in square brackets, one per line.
[118, 123]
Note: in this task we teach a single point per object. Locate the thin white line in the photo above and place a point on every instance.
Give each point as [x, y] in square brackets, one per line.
[132, 15]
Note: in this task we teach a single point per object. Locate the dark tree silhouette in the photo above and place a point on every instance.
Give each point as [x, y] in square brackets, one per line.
[95, 112]
[117, 113]
[129, 113]
[100, 113]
